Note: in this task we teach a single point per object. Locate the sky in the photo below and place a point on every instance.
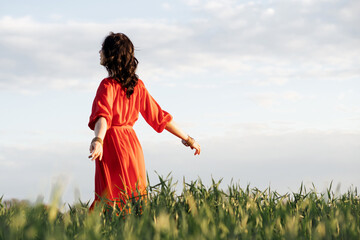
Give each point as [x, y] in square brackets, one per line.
[269, 89]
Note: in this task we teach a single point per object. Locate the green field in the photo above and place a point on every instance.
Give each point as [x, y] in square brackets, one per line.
[199, 212]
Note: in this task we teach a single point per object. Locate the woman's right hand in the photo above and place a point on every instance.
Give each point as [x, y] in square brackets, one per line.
[96, 150]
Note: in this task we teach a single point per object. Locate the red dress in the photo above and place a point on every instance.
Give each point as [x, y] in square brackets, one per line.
[122, 168]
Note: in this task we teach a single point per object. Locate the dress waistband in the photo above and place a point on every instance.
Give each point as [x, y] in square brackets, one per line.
[121, 126]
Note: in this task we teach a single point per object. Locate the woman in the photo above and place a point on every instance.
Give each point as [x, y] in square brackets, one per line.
[120, 168]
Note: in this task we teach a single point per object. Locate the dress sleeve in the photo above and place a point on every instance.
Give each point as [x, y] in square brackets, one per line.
[152, 112]
[102, 105]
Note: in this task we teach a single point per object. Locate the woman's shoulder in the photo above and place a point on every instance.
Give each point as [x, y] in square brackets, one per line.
[109, 82]
[140, 82]
[107, 85]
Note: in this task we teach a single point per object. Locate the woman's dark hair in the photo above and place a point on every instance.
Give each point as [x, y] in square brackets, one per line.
[119, 60]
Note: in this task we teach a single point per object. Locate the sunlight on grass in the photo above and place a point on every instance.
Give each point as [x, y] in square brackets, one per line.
[199, 212]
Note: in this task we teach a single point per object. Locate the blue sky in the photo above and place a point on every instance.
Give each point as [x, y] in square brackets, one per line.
[270, 89]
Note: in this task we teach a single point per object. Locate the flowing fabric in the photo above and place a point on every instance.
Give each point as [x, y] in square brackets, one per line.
[121, 172]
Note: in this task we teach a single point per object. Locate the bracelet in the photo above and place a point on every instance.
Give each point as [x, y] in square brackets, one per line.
[97, 139]
[189, 142]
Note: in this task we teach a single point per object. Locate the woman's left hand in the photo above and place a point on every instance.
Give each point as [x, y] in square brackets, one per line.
[96, 150]
[197, 148]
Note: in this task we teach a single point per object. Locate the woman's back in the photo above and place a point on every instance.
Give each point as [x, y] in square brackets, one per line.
[118, 110]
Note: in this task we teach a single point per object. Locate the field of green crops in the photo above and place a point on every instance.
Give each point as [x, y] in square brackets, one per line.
[199, 212]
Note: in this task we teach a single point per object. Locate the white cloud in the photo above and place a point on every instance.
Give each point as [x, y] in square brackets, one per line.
[292, 96]
[270, 99]
[214, 5]
[270, 81]
[192, 2]
[265, 99]
[54, 55]
[297, 42]
[347, 109]
[350, 12]
[166, 6]
[7, 163]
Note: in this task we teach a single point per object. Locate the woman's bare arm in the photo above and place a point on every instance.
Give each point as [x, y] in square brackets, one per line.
[96, 149]
[173, 128]
[100, 128]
